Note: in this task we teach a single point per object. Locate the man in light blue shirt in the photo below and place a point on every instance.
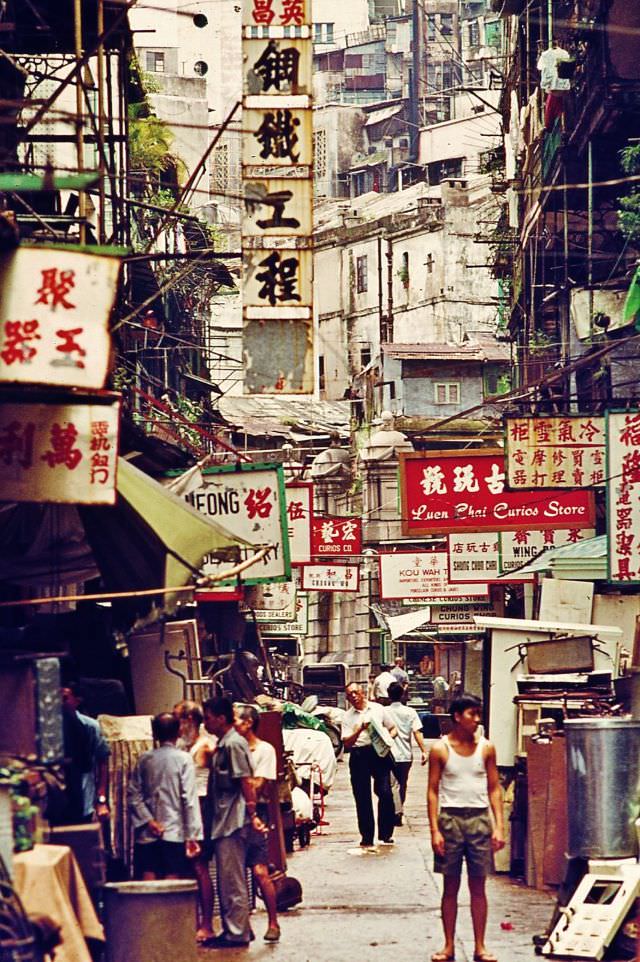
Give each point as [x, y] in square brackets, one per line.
[164, 806]
[408, 723]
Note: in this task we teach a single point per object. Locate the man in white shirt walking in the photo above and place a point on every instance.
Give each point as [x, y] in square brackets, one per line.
[408, 723]
[463, 786]
[365, 764]
[381, 685]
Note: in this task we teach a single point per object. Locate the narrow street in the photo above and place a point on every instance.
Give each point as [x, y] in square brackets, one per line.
[374, 907]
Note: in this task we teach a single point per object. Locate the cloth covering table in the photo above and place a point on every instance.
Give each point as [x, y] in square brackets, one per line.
[49, 881]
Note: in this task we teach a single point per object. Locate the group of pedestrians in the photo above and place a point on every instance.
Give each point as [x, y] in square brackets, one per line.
[201, 794]
[464, 798]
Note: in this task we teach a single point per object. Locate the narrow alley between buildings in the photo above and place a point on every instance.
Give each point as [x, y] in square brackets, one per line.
[374, 907]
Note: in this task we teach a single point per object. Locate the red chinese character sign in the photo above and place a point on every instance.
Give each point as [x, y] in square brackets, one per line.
[54, 313]
[623, 497]
[421, 574]
[448, 492]
[61, 453]
[336, 536]
[250, 503]
[555, 452]
[299, 516]
[276, 13]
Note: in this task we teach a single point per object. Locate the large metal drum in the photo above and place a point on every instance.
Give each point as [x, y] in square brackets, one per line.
[150, 921]
[603, 783]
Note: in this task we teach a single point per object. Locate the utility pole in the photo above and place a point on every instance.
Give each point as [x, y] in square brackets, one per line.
[82, 203]
[416, 72]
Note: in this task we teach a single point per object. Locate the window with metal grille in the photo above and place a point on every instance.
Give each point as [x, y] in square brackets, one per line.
[362, 280]
[447, 392]
[320, 153]
[155, 61]
[220, 168]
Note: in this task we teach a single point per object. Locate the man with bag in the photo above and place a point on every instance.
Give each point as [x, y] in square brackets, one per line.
[367, 733]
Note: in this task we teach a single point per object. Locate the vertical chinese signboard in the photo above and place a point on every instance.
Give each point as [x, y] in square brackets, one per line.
[623, 497]
[277, 157]
[54, 314]
[62, 453]
[299, 516]
[555, 452]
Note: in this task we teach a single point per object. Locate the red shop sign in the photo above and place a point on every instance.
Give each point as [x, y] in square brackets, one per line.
[449, 491]
[336, 536]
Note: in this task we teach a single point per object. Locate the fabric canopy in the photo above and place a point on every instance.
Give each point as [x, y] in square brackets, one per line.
[150, 538]
[153, 538]
[400, 625]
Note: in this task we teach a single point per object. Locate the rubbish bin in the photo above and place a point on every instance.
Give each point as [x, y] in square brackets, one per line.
[150, 921]
[603, 780]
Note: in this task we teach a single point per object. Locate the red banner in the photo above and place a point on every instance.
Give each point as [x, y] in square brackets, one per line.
[449, 491]
[336, 536]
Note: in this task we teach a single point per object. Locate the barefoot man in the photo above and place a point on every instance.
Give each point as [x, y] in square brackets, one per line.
[463, 786]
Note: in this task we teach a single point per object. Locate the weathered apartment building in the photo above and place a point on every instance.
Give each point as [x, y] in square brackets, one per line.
[567, 240]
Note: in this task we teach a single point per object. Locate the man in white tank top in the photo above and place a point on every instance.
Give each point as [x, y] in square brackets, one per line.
[464, 791]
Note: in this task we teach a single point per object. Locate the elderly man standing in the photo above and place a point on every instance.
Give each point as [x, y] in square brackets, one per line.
[363, 723]
[163, 802]
[233, 802]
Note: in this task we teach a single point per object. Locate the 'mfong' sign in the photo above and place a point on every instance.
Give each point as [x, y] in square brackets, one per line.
[250, 503]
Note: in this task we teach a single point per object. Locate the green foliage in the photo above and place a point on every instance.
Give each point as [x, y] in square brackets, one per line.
[629, 209]
[539, 342]
[150, 142]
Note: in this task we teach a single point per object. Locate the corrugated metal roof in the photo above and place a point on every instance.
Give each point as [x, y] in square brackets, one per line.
[485, 350]
[386, 113]
[287, 416]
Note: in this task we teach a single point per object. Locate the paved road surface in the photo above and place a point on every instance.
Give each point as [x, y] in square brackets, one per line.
[377, 907]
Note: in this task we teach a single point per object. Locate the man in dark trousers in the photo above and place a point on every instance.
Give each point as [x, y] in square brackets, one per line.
[233, 803]
[163, 802]
[360, 724]
[464, 791]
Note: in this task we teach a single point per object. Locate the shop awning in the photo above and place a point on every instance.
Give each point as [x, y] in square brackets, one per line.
[152, 538]
[400, 625]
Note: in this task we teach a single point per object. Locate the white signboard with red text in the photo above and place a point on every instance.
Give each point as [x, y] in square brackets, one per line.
[446, 491]
[276, 13]
[336, 536]
[62, 453]
[330, 577]
[54, 313]
[555, 452]
[409, 574]
[299, 517]
[623, 497]
[249, 501]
